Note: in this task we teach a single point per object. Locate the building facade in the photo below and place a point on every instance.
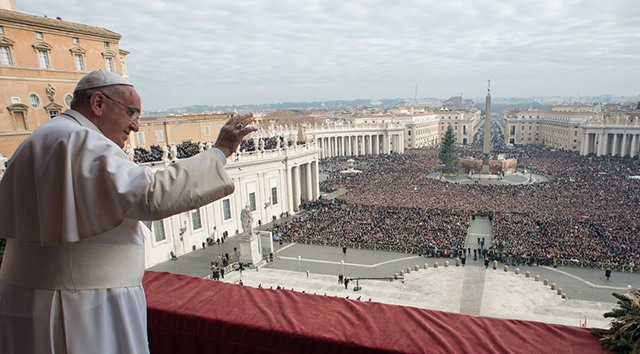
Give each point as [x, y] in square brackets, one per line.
[614, 136]
[179, 129]
[41, 60]
[557, 129]
[585, 129]
[270, 182]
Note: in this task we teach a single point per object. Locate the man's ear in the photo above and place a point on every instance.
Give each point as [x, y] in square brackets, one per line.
[96, 102]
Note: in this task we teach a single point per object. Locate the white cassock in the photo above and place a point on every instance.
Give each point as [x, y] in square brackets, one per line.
[71, 206]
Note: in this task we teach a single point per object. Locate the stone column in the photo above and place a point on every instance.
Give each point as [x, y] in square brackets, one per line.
[634, 145]
[356, 150]
[602, 144]
[296, 188]
[385, 143]
[347, 146]
[289, 194]
[584, 150]
[614, 149]
[354, 145]
[303, 182]
[315, 180]
[376, 144]
[324, 148]
[308, 183]
[329, 147]
[625, 145]
[365, 147]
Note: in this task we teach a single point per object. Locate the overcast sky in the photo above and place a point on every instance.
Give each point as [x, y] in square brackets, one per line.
[241, 52]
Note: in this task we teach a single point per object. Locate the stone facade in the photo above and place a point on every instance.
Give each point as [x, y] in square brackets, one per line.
[175, 130]
[41, 60]
[599, 131]
[271, 182]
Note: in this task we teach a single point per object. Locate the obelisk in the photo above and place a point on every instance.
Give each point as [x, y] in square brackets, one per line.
[486, 148]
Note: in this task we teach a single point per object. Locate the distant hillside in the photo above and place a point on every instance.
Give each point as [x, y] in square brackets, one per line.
[282, 105]
[497, 108]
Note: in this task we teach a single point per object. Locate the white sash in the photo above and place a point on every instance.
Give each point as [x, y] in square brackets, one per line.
[72, 266]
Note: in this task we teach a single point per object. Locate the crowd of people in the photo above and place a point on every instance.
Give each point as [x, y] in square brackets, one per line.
[156, 152]
[586, 213]
[142, 155]
[268, 143]
[188, 149]
[429, 232]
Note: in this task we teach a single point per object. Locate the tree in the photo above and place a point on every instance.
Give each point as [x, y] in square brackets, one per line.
[624, 332]
[449, 155]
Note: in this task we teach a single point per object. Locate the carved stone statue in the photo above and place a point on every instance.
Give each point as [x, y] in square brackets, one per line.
[51, 92]
[165, 153]
[200, 146]
[130, 152]
[247, 220]
[174, 152]
[261, 144]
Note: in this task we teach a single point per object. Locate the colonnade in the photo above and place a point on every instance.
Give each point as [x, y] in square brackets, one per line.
[610, 143]
[303, 183]
[363, 144]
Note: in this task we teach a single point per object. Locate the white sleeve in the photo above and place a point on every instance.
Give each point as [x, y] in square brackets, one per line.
[184, 185]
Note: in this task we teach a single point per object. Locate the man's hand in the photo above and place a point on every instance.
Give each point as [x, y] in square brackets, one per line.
[232, 133]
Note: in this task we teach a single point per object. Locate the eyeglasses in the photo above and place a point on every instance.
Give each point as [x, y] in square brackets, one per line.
[134, 114]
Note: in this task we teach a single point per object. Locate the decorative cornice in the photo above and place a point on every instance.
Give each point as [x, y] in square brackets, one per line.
[52, 107]
[18, 107]
[6, 41]
[77, 50]
[108, 54]
[19, 18]
[41, 46]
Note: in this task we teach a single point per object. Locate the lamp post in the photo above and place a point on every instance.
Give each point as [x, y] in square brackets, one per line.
[342, 263]
[299, 264]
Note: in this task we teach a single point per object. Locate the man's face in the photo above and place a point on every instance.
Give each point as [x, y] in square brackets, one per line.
[116, 123]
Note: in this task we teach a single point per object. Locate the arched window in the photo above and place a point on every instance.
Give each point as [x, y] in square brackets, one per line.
[6, 46]
[78, 58]
[43, 51]
[109, 60]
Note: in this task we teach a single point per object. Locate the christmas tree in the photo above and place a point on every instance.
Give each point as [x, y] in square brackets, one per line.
[624, 333]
